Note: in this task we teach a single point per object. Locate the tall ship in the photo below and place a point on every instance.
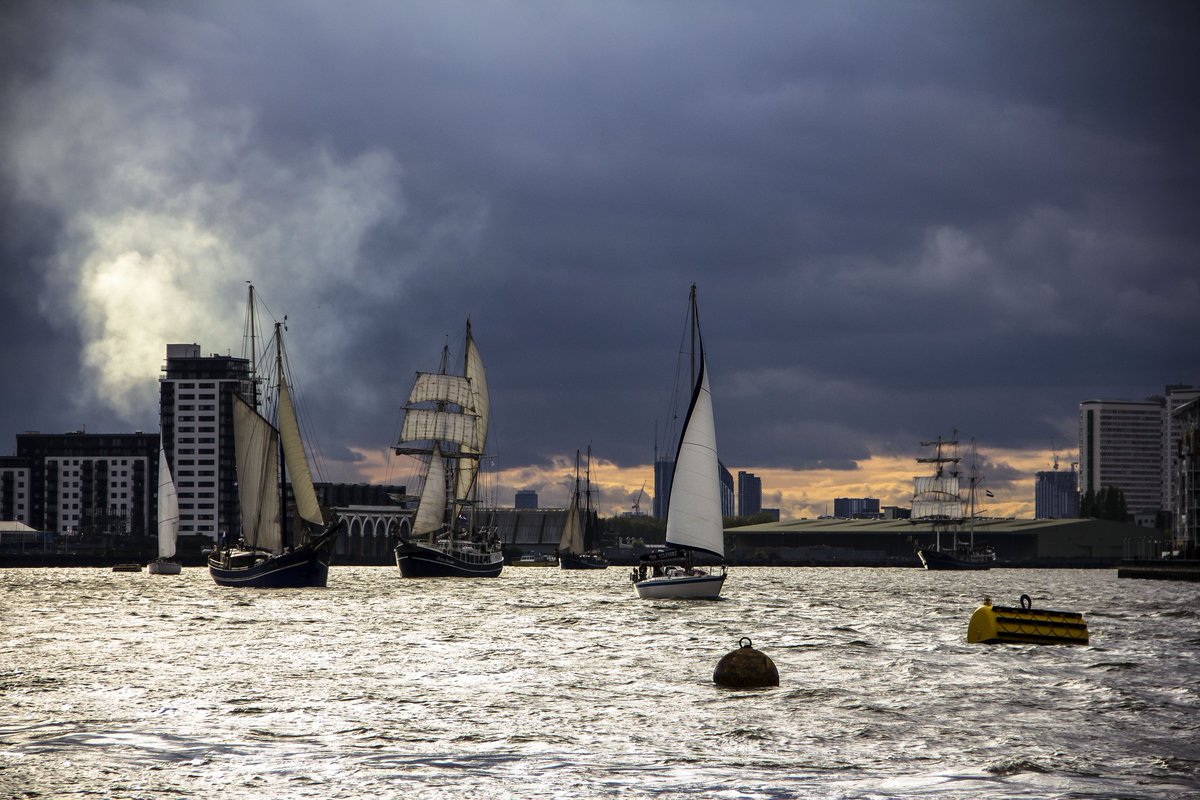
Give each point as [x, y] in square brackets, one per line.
[573, 549]
[938, 499]
[272, 551]
[695, 528]
[445, 426]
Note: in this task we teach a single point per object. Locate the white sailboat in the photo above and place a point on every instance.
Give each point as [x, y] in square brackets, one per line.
[694, 524]
[446, 424]
[168, 519]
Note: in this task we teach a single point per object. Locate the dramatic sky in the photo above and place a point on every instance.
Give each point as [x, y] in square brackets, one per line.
[903, 218]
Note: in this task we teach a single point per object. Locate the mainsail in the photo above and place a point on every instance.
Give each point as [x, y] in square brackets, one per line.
[168, 508]
[572, 536]
[255, 452]
[294, 457]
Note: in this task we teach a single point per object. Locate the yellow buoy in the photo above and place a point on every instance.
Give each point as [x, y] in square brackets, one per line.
[746, 668]
[1002, 624]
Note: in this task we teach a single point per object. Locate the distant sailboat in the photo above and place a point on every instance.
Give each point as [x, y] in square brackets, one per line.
[168, 519]
[694, 523]
[937, 499]
[271, 553]
[445, 424]
[573, 552]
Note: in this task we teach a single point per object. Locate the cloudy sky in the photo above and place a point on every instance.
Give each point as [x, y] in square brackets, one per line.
[903, 218]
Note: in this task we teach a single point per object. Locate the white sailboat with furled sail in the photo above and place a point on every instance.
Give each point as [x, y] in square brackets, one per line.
[937, 500]
[445, 426]
[168, 520]
[273, 551]
[695, 528]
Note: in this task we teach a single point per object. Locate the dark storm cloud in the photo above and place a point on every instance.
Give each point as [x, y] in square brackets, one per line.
[901, 217]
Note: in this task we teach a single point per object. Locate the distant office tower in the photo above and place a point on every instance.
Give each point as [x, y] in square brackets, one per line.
[196, 417]
[1133, 445]
[727, 494]
[664, 473]
[856, 508]
[1056, 495]
[91, 483]
[526, 498]
[749, 494]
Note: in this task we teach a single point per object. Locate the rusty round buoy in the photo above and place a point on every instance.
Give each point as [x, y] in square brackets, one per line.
[746, 668]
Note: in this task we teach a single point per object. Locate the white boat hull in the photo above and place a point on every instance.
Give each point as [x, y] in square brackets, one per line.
[688, 586]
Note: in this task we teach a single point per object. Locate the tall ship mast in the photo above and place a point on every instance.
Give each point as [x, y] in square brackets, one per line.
[938, 500]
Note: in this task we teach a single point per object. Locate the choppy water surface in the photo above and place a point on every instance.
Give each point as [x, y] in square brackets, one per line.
[545, 683]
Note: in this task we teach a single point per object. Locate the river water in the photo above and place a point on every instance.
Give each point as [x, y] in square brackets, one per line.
[548, 684]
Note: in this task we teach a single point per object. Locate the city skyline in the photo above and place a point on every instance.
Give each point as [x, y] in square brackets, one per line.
[902, 220]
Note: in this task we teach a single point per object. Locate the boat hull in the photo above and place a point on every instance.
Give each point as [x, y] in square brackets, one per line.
[305, 567]
[573, 561]
[943, 560]
[687, 586]
[417, 560]
[164, 568]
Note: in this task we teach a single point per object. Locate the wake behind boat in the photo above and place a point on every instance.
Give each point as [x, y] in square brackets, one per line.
[694, 524]
[270, 553]
[445, 425]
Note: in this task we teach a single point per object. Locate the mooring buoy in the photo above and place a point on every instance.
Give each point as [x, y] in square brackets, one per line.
[1025, 625]
[746, 668]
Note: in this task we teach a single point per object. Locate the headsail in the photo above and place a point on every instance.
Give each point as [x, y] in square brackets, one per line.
[168, 507]
[295, 459]
[572, 536]
[431, 509]
[255, 453]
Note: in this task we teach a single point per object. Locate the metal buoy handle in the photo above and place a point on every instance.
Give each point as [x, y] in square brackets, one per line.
[1026, 602]
[745, 639]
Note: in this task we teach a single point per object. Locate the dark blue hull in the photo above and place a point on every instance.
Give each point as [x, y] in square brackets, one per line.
[419, 561]
[573, 561]
[952, 560]
[304, 567]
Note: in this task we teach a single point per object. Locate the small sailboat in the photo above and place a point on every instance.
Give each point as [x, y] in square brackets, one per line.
[445, 425]
[168, 520]
[573, 552]
[937, 499]
[271, 553]
[694, 523]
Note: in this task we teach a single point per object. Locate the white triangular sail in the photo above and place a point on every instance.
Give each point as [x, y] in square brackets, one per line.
[168, 508]
[295, 459]
[476, 376]
[694, 512]
[431, 508]
[255, 447]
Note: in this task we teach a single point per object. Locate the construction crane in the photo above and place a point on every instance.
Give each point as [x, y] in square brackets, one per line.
[637, 504]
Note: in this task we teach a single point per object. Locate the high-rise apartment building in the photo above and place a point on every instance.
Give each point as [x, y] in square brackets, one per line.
[727, 493]
[196, 413]
[1056, 494]
[664, 473]
[1121, 445]
[526, 499]
[856, 508]
[16, 487]
[90, 483]
[1133, 445]
[1187, 474]
[749, 494]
